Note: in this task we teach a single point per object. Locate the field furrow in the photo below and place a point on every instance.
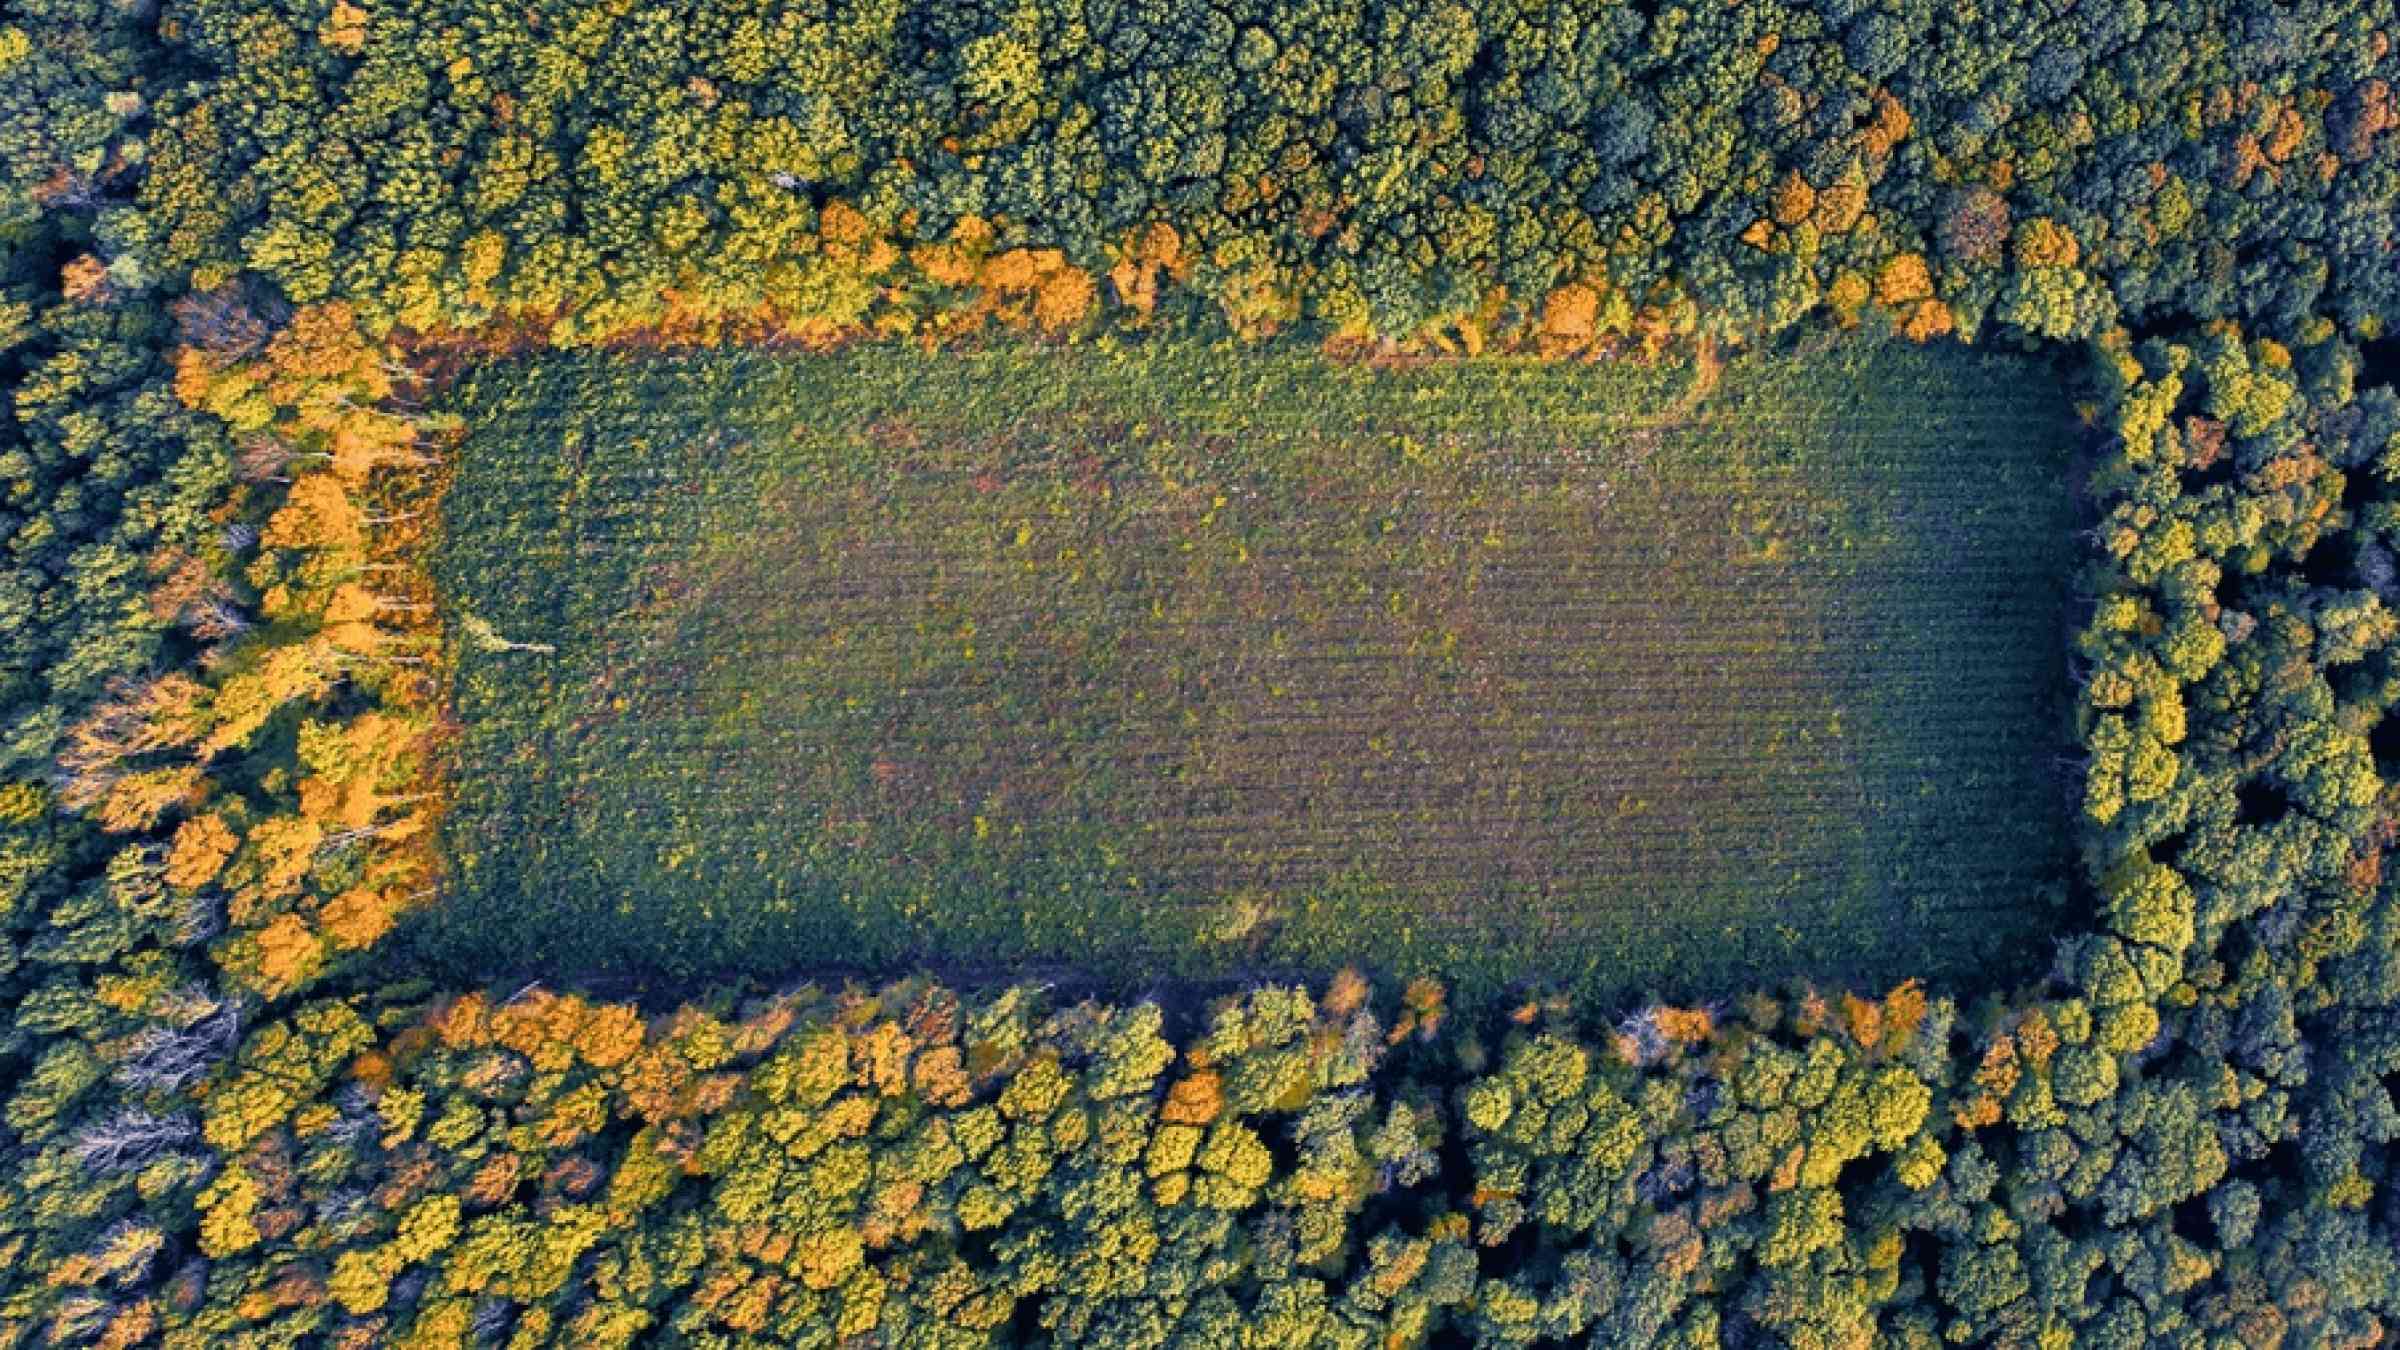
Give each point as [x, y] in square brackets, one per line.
[1193, 661]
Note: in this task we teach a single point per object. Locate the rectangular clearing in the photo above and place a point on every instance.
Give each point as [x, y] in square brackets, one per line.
[1175, 660]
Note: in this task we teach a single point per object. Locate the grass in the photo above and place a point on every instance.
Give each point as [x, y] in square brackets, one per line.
[1185, 661]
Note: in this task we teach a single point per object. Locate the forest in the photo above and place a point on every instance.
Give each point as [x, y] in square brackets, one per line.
[265, 263]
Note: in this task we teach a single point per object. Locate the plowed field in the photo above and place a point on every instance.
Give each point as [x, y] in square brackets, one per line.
[1187, 661]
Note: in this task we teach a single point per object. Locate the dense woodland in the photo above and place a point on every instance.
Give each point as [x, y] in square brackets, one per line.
[237, 240]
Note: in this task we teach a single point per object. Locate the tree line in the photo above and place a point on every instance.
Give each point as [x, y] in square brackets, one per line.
[1377, 169]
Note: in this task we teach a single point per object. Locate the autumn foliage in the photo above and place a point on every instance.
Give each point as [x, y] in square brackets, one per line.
[228, 231]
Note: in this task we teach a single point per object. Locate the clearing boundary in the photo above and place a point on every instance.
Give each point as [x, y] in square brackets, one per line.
[1186, 661]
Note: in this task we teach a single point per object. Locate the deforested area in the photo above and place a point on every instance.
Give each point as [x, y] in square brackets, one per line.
[1196, 660]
